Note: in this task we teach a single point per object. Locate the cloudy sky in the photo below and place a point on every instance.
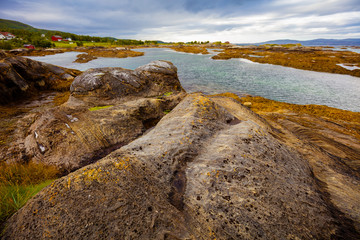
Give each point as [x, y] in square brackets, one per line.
[237, 21]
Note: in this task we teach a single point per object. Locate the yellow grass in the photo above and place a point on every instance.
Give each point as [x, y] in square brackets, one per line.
[19, 182]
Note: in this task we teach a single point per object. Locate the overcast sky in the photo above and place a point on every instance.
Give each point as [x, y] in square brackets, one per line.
[237, 21]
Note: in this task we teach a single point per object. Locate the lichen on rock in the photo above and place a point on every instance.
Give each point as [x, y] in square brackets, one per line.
[210, 169]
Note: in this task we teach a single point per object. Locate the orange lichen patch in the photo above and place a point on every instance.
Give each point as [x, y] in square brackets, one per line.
[260, 104]
[214, 173]
[306, 58]
[91, 174]
[122, 163]
[202, 101]
[191, 49]
[346, 122]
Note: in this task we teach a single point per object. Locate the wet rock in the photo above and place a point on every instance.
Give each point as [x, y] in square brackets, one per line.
[210, 169]
[22, 77]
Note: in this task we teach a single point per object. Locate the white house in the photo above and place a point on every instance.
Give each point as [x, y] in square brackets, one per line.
[6, 35]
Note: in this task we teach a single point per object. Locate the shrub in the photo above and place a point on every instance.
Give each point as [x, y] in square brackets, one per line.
[6, 45]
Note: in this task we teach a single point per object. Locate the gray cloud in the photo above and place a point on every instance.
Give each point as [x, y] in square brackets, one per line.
[186, 20]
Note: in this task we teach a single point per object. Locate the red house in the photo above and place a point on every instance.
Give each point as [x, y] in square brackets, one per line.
[29, 46]
[56, 38]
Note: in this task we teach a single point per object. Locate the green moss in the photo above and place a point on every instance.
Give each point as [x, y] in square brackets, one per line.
[168, 93]
[166, 111]
[99, 107]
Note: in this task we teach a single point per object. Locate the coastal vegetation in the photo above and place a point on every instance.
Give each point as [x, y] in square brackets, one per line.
[19, 182]
[26, 34]
[190, 49]
[307, 58]
[331, 118]
[93, 53]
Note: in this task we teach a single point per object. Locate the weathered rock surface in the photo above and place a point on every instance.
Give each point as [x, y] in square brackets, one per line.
[104, 84]
[108, 108]
[22, 77]
[210, 169]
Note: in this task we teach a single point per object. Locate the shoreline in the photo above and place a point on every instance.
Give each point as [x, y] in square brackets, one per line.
[318, 59]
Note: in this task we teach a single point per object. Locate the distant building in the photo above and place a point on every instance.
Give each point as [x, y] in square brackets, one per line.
[29, 46]
[56, 38]
[6, 35]
[42, 35]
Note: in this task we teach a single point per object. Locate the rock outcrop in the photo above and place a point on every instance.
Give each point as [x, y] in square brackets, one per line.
[92, 53]
[107, 108]
[22, 77]
[210, 169]
[105, 85]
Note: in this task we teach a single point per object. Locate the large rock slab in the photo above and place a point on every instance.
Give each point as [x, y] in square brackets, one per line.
[108, 108]
[210, 169]
[22, 77]
[102, 84]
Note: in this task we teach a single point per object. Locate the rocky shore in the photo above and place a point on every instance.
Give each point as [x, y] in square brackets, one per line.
[89, 53]
[322, 59]
[95, 52]
[191, 49]
[307, 58]
[142, 159]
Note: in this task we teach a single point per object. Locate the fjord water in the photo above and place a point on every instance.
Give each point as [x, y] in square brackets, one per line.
[241, 76]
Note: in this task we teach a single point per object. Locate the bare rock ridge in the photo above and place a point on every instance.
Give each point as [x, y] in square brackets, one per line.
[22, 77]
[107, 108]
[210, 169]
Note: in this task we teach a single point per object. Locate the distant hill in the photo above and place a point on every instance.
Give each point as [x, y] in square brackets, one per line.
[28, 32]
[14, 25]
[317, 42]
[8, 25]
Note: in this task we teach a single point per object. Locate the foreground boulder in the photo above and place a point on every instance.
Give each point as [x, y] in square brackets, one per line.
[107, 108]
[22, 77]
[210, 169]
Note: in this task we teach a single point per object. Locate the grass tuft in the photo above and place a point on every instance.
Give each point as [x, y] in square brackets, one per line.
[19, 183]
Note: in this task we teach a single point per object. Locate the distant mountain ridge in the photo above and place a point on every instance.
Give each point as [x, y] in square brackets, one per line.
[316, 42]
[10, 24]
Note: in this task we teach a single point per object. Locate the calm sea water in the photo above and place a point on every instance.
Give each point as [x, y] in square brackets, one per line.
[241, 76]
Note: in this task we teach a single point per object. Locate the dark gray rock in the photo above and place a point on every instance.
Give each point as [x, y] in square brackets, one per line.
[22, 77]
